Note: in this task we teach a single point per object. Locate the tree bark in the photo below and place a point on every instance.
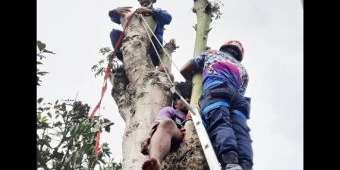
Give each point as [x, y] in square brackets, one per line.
[139, 90]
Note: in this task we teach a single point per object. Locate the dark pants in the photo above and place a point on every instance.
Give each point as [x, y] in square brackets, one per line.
[226, 122]
[114, 36]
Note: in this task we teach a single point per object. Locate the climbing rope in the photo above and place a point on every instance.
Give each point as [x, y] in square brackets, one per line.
[166, 53]
[153, 45]
[104, 87]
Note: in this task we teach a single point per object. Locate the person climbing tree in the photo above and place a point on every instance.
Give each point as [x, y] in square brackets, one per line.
[167, 131]
[161, 17]
[224, 107]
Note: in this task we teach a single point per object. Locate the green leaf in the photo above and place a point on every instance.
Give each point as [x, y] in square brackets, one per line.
[41, 46]
[107, 126]
[74, 130]
[47, 51]
[106, 120]
[88, 148]
[39, 100]
[95, 129]
[42, 73]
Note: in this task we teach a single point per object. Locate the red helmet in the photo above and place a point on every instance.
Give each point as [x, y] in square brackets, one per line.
[235, 45]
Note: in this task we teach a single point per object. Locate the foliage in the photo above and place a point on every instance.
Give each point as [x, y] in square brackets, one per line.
[41, 55]
[215, 7]
[112, 166]
[100, 68]
[66, 136]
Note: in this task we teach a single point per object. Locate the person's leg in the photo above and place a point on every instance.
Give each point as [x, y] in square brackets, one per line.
[114, 36]
[152, 52]
[219, 128]
[215, 105]
[160, 143]
[239, 115]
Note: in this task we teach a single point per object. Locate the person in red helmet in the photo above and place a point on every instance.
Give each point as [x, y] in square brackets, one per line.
[224, 107]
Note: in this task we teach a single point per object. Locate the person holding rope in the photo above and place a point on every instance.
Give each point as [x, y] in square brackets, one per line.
[224, 107]
[161, 17]
[167, 131]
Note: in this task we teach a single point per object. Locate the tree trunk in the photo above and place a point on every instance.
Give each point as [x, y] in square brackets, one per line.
[140, 91]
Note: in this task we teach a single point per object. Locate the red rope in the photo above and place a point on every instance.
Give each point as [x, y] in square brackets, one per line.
[106, 76]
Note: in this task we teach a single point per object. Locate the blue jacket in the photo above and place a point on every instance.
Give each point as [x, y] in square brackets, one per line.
[161, 16]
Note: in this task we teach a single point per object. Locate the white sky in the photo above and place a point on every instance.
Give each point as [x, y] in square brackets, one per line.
[271, 32]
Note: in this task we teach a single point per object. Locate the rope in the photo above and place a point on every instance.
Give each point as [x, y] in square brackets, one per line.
[167, 54]
[174, 91]
[104, 87]
[153, 45]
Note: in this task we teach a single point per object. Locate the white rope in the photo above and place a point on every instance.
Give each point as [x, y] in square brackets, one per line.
[160, 60]
[161, 45]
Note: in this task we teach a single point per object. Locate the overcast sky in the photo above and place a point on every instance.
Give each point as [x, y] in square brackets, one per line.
[271, 32]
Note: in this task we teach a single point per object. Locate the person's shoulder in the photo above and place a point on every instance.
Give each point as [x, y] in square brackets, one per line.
[167, 108]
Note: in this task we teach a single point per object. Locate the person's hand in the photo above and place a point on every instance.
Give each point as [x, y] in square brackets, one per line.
[188, 116]
[163, 69]
[183, 132]
[123, 10]
[143, 10]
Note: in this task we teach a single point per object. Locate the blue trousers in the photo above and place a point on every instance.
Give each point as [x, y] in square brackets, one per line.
[225, 114]
[114, 35]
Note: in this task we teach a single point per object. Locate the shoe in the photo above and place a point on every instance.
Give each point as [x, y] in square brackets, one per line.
[119, 55]
[229, 161]
[229, 158]
[246, 165]
[232, 167]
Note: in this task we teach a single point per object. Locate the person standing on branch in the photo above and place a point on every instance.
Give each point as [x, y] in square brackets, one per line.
[160, 16]
[224, 107]
[167, 131]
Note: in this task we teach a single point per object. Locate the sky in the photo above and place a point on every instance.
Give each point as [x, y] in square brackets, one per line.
[271, 32]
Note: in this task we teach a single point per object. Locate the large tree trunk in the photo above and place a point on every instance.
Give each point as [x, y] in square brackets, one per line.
[140, 91]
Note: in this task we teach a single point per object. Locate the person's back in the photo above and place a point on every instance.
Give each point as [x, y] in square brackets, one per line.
[221, 67]
[223, 106]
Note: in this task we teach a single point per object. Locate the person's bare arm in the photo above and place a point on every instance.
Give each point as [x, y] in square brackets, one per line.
[187, 70]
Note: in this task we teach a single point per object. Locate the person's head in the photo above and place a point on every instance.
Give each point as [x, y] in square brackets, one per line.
[146, 3]
[235, 48]
[184, 89]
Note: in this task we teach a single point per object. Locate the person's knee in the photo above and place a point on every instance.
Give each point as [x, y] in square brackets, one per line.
[167, 124]
[114, 35]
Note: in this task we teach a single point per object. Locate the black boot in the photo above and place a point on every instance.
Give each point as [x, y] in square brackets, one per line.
[246, 165]
[119, 55]
[229, 161]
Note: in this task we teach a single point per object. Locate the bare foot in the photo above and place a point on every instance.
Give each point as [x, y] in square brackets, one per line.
[151, 164]
[145, 146]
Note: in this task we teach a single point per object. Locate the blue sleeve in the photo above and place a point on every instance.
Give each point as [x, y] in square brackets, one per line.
[162, 16]
[114, 16]
[197, 62]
